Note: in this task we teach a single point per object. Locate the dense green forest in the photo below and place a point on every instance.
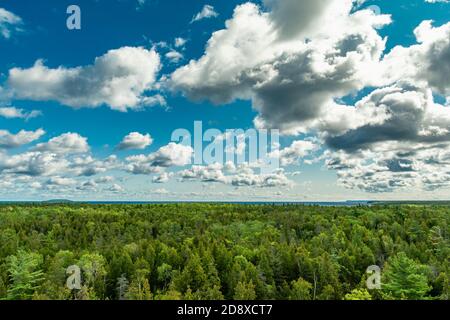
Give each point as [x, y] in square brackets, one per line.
[223, 251]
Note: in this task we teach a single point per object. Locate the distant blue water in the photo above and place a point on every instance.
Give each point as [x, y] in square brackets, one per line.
[262, 203]
[282, 203]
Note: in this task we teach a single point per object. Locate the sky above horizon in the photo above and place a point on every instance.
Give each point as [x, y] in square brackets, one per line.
[360, 91]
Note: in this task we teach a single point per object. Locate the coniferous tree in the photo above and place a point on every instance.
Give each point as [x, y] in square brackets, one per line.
[245, 291]
[25, 275]
[403, 278]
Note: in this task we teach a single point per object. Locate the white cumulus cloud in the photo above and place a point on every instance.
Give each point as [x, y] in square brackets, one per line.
[135, 140]
[118, 79]
[10, 140]
[65, 143]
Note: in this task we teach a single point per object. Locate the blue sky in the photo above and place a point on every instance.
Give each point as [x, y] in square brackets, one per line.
[154, 25]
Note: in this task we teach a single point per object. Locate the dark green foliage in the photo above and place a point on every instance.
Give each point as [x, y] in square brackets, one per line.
[223, 251]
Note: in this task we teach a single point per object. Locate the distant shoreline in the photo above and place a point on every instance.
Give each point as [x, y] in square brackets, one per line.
[281, 203]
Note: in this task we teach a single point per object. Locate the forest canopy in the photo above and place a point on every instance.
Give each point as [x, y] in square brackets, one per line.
[223, 251]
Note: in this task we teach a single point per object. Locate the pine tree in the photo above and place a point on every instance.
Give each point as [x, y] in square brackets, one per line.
[25, 275]
[403, 278]
[245, 291]
[122, 287]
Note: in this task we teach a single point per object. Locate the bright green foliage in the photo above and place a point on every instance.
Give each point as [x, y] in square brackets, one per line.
[245, 291]
[223, 251]
[54, 286]
[93, 266]
[301, 290]
[139, 288]
[164, 274]
[403, 278]
[358, 294]
[25, 275]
